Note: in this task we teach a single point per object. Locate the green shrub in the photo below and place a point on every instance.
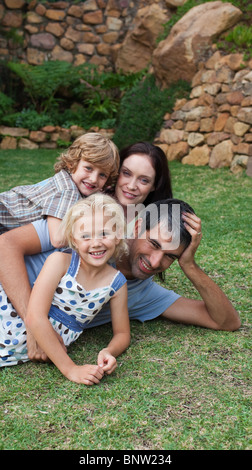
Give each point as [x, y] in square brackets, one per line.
[6, 105]
[142, 108]
[67, 94]
[28, 118]
[241, 36]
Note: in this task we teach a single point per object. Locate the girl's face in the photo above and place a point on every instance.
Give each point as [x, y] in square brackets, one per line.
[89, 178]
[136, 180]
[94, 238]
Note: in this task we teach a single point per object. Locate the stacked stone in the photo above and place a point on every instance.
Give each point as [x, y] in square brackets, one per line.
[49, 137]
[89, 31]
[213, 127]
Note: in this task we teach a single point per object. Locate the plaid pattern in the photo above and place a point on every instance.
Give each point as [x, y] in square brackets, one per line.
[24, 204]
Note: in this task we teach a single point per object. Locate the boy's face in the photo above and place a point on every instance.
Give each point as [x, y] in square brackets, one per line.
[89, 178]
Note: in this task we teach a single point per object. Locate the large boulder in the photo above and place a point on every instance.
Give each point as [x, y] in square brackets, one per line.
[178, 55]
[136, 51]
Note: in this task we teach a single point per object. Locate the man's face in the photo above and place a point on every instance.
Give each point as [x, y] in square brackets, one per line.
[149, 255]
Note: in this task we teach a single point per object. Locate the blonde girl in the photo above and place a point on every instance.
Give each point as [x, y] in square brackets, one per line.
[72, 288]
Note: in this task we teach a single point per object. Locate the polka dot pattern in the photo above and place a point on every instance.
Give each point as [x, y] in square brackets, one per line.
[74, 305]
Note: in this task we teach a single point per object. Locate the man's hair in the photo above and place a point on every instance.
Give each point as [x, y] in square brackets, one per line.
[154, 214]
[94, 148]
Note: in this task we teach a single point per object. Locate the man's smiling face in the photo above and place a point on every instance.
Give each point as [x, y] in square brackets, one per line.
[149, 255]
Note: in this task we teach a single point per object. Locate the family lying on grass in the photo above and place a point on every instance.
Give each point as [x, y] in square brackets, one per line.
[83, 270]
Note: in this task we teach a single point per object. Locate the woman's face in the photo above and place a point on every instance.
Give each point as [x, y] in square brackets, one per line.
[136, 180]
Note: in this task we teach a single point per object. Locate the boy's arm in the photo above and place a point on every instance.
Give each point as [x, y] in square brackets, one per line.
[121, 331]
[55, 232]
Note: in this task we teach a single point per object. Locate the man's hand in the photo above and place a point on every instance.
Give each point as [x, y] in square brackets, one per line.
[193, 226]
[35, 353]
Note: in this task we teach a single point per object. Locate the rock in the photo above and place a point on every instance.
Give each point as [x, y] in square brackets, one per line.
[176, 151]
[216, 137]
[37, 136]
[198, 156]
[35, 57]
[12, 19]
[56, 15]
[27, 144]
[177, 56]
[136, 50]
[207, 124]
[14, 131]
[8, 143]
[195, 138]
[238, 163]
[245, 115]
[175, 3]
[14, 4]
[171, 136]
[192, 126]
[243, 148]
[60, 54]
[43, 41]
[221, 122]
[249, 167]
[240, 128]
[93, 17]
[221, 155]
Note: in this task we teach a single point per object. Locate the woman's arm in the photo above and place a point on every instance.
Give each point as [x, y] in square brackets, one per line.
[121, 331]
[41, 328]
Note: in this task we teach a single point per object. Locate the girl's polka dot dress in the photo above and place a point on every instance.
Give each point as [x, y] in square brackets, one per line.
[72, 308]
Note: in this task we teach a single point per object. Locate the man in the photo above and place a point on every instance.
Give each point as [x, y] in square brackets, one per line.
[151, 251]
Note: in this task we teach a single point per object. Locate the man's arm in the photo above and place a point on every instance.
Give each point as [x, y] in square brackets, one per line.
[214, 310]
[14, 245]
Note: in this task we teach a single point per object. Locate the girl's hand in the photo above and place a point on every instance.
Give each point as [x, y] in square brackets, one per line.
[106, 361]
[87, 374]
[193, 226]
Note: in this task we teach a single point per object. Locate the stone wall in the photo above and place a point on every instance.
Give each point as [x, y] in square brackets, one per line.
[213, 127]
[48, 137]
[89, 31]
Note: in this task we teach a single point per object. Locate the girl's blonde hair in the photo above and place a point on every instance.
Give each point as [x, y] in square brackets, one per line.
[97, 202]
[94, 148]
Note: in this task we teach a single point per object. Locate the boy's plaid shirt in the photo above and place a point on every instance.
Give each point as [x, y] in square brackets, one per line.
[24, 204]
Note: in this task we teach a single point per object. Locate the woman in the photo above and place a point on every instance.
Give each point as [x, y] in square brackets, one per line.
[144, 175]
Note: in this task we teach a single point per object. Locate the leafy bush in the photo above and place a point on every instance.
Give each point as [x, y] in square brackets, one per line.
[142, 109]
[6, 105]
[66, 94]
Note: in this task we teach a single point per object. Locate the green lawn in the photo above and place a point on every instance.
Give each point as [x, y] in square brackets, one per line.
[177, 387]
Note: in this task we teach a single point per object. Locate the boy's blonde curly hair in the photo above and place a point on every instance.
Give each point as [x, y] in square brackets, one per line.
[96, 202]
[94, 148]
